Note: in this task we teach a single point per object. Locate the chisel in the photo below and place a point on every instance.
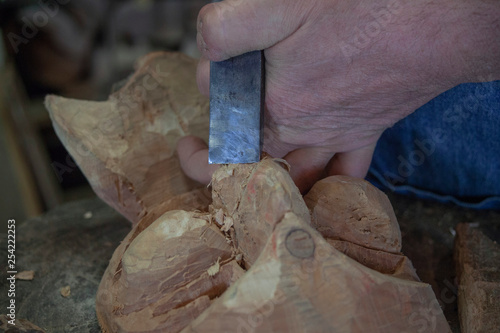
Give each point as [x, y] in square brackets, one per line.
[236, 109]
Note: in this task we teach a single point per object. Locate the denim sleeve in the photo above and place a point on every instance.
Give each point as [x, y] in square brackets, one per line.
[448, 150]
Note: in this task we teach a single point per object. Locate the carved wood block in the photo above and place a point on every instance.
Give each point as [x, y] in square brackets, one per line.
[247, 254]
[477, 260]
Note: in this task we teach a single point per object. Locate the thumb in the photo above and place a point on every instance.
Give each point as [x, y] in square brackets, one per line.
[234, 27]
[193, 157]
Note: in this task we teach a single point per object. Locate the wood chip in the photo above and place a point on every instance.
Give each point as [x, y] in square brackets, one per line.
[228, 223]
[65, 291]
[219, 217]
[25, 275]
[214, 269]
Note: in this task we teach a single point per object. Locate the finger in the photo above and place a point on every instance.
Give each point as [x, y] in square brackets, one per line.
[203, 76]
[307, 166]
[354, 163]
[233, 27]
[193, 156]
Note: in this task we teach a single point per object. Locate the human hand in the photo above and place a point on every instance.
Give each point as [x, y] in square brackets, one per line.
[338, 73]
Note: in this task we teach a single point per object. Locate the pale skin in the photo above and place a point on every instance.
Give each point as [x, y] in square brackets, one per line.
[339, 72]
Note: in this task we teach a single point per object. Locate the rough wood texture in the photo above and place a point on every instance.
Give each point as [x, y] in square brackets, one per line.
[248, 259]
[175, 253]
[112, 289]
[393, 264]
[477, 260]
[162, 281]
[357, 220]
[125, 146]
[301, 284]
[255, 197]
[355, 211]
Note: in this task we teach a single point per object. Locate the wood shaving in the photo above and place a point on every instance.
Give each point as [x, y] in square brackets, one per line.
[25, 275]
[228, 223]
[65, 291]
[219, 217]
[283, 163]
[214, 269]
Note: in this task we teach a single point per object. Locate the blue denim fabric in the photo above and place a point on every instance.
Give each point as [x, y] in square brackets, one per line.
[448, 150]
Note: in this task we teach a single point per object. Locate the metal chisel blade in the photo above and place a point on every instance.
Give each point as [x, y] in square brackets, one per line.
[236, 105]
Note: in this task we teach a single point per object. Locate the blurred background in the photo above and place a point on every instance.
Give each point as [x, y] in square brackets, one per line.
[77, 49]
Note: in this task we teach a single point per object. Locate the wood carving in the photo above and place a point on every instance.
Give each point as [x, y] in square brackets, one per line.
[477, 262]
[247, 256]
[125, 146]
